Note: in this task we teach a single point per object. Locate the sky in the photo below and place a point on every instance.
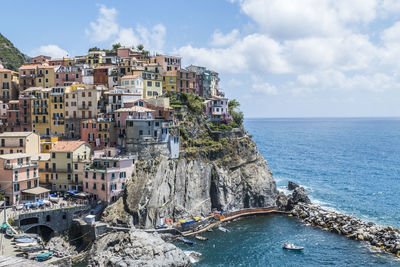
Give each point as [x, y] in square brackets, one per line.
[279, 58]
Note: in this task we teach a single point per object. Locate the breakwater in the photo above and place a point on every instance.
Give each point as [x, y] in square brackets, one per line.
[386, 238]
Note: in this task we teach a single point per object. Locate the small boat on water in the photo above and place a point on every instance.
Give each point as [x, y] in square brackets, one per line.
[199, 237]
[223, 229]
[210, 230]
[54, 199]
[25, 240]
[291, 247]
[186, 241]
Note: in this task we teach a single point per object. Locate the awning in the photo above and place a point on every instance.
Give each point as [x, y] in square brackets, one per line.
[36, 191]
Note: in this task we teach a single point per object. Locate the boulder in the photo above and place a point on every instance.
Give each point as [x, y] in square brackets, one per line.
[292, 186]
[137, 248]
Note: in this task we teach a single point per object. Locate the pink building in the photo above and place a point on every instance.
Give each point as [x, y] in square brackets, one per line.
[217, 108]
[98, 133]
[20, 179]
[66, 75]
[106, 177]
[168, 63]
[19, 114]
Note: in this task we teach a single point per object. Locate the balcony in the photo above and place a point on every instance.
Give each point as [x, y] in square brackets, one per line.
[83, 107]
[56, 170]
[13, 166]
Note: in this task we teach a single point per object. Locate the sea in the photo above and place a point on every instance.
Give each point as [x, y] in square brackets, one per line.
[351, 165]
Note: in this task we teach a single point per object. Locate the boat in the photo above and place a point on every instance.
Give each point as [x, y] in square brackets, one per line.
[54, 199]
[291, 247]
[199, 237]
[25, 235]
[186, 241]
[25, 240]
[24, 245]
[44, 256]
[31, 249]
[10, 232]
[210, 230]
[223, 229]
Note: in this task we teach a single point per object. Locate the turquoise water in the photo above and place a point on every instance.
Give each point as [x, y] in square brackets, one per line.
[350, 165]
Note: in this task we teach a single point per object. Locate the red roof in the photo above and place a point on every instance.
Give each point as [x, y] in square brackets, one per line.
[67, 146]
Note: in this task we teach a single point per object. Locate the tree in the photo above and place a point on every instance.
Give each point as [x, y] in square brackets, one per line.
[115, 47]
[94, 49]
[140, 47]
[236, 114]
[232, 105]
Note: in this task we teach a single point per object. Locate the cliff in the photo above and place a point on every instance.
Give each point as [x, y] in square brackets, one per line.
[221, 170]
[10, 56]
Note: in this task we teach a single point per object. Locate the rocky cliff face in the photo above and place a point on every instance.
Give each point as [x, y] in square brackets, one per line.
[230, 177]
[136, 248]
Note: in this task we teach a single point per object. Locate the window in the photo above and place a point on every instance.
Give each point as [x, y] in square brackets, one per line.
[69, 166]
[87, 185]
[29, 184]
[53, 155]
[149, 83]
[54, 167]
[76, 166]
[86, 175]
[103, 187]
[94, 186]
[69, 176]
[94, 175]
[102, 176]
[68, 155]
[113, 175]
[157, 84]
[77, 76]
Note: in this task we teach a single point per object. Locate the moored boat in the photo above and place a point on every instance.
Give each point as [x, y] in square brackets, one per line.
[199, 237]
[25, 235]
[291, 247]
[10, 232]
[186, 241]
[25, 240]
[44, 256]
[223, 229]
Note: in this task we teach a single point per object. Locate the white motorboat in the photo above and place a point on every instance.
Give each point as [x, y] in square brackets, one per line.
[291, 247]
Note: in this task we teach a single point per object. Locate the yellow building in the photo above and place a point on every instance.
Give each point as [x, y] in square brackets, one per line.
[95, 58]
[43, 160]
[65, 159]
[47, 112]
[170, 81]
[9, 81]
[57, 111]
[45, 76]
[47, 143]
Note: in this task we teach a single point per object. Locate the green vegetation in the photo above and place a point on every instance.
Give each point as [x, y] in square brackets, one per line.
[10, 56]
[236, 114]
[194, 103]
[1, 196]
[10, 221]
[220, 127]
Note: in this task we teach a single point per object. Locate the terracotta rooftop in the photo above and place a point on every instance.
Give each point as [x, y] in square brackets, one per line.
[29, 66]
[66, 146]
[15, 134]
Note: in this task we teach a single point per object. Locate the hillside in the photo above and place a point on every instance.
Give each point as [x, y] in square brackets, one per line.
[10, 56]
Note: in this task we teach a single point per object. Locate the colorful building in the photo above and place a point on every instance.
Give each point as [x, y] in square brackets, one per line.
[99, 133]
[45, 76]
[170, 82]
[67, 75]
[95, 58]
[168, 63]
[9, 85]
[106, 177]
[217, 108]
[20, 179]
[19, 142]
[47, 143]
[43, 161]
[27, 75]
[65, 158]
[19, 118]
[40, 109]
[57, 111]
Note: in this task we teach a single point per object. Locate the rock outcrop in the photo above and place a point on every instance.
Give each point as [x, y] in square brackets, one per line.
[383, 237]
[292, 185]
[136, 248]
[288, 202]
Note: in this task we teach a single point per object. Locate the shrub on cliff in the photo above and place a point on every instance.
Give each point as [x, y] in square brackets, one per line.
[236, 114]
[194, 103]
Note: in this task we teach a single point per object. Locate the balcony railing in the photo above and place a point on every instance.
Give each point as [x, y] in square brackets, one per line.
[83, 107]
[11, 166]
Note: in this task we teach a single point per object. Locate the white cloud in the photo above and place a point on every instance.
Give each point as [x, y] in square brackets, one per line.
[263, 88]
[105, 26]
[255, 52]
[53, 51]
[220, 39]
